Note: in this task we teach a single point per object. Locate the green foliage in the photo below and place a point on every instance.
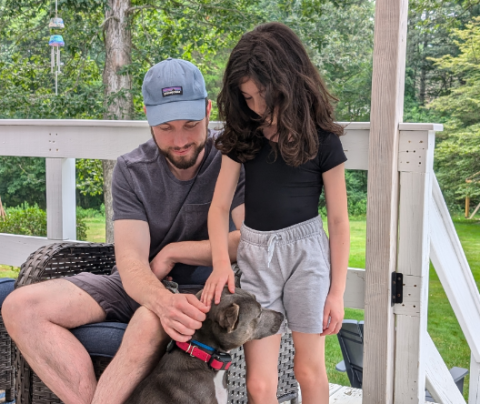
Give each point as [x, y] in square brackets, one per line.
[459, 145]
[30, 220]
[22, 179]
[341, 40]
[356, 192]
[89, 213]
[89, 176]
[25, 219]
[356, 182]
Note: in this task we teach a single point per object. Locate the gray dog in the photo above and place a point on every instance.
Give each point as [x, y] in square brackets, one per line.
[180, 378]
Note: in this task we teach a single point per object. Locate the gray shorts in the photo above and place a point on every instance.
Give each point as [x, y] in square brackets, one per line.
[288, 270]
[108, 292]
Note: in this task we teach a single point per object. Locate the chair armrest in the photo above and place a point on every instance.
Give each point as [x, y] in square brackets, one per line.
[458, 373]
[341, 366]
[59, 260]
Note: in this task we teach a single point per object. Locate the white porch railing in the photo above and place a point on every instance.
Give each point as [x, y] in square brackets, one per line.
[423, 222]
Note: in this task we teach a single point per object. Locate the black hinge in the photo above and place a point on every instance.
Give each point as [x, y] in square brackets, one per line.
[397, 288]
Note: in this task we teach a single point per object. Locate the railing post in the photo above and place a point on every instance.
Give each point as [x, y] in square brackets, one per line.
[391, 17]
[474, 393]
[415, 164]
[61, 201]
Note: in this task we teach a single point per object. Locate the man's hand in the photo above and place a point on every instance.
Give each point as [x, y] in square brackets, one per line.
[333, 312]
[163, 262]
[221, 275]
[181, 315]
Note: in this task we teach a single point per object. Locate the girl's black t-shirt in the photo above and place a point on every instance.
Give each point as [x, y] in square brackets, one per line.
[278, 195]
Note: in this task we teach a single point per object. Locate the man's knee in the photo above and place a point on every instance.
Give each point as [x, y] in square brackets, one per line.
[20, 308]
[146, 324]
[144, 338]
[56, 301]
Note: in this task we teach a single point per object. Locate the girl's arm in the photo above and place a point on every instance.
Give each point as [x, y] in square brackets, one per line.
[218, 218]
[339, 234]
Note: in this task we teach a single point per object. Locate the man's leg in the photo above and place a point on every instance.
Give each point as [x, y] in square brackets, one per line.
[142, 346]
[38, 317]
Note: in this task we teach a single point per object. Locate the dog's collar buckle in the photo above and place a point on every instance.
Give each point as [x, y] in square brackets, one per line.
[190, 350]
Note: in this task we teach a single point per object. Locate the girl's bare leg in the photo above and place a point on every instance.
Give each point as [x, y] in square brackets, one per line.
[261, 357]
[309, 367]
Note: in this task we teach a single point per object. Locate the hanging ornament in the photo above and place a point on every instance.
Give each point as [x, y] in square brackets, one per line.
[56, 22]
[56, 42]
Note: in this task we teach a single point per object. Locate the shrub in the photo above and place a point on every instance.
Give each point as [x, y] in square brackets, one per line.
[32, 221]
[25, 219]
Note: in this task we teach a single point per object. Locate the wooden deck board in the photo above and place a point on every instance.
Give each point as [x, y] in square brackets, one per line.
[345, 395]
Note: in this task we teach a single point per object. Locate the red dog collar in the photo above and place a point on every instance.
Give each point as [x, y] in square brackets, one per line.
[217, 360]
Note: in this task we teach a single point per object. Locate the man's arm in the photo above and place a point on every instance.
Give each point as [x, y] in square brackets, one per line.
[196, 252]
[180, 315]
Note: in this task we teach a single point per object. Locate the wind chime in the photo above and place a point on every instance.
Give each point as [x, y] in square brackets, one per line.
[56, 42]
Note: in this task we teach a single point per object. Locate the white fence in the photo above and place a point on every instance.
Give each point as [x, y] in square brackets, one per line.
[425, 231]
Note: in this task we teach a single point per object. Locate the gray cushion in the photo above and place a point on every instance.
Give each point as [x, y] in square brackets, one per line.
[6, 286]
[101, 339]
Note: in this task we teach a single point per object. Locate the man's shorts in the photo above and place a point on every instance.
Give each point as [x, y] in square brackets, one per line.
[288, 270]
[109, 293]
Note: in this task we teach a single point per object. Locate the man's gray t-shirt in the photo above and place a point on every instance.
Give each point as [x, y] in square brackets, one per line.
[144, 188]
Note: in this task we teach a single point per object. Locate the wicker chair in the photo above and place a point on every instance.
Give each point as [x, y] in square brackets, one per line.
[67, 259]
[6, 357]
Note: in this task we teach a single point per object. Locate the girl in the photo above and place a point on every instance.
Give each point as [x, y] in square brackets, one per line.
[279, 125]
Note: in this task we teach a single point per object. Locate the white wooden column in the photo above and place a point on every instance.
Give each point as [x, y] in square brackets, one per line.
[415, 166]
[61, 201]
[382, 208]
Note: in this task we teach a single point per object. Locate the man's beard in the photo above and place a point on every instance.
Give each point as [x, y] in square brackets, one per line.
[183, 162]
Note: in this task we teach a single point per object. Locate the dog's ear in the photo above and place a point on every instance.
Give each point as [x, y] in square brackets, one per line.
[228, 318]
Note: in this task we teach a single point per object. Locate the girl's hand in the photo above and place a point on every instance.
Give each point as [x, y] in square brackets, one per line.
[220, 276]
[334, 313]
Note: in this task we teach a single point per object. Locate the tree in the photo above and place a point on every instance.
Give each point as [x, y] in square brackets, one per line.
[459, 145]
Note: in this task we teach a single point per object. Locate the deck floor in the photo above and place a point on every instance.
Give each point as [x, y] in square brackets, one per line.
[344, 395]
[338, 395]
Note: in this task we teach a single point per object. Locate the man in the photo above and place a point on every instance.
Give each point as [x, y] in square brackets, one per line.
[161, 195]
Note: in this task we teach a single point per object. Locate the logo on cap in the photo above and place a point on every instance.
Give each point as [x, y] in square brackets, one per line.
[177, 90]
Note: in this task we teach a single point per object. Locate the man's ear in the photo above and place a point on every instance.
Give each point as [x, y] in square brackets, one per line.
[228, 318]
[209, 109]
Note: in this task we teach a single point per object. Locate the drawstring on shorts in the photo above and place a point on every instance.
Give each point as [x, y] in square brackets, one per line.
[272, 241]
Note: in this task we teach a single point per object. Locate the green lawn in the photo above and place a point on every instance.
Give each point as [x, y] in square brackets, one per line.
[96, 229]
[442, 324]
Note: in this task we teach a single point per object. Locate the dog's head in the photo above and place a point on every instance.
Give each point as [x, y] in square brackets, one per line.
[238, 318]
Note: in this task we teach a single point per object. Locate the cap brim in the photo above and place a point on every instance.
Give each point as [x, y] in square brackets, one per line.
[176, 111]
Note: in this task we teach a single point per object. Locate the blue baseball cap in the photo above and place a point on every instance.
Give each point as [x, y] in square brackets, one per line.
[174, 89]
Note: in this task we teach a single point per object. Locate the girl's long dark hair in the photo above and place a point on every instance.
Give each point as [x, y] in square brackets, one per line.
[274, 58]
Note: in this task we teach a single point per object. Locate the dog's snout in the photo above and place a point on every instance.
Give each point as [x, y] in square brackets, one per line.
[269, 324]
